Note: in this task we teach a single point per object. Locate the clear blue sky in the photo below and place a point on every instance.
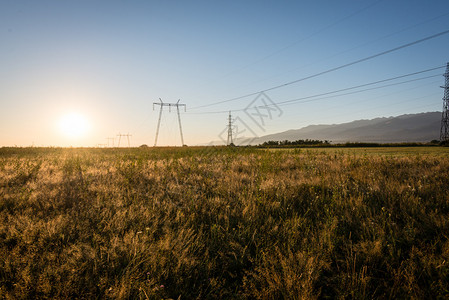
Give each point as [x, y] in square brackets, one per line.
[110, 60]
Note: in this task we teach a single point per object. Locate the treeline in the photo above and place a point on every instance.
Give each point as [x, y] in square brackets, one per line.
[326, 143]
[287, 143]
[367, 145]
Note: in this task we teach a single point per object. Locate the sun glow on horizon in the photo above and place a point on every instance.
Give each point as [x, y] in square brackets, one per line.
[74, 125]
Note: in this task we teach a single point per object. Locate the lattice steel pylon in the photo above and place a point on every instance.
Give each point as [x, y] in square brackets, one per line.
[123, 135]
[444, 132]
[177, 105]
[230, 140]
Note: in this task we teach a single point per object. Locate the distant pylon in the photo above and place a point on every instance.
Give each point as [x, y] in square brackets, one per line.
[128, 135]
[444, 132]
[123, 135]
[230, 141]
[162, 104]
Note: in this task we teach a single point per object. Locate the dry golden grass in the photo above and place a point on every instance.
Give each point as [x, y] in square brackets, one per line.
[223, 223]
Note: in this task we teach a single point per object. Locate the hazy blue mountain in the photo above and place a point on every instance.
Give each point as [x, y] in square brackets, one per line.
[422, 127]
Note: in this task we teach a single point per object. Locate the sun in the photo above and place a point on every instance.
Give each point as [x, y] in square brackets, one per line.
[73, 125]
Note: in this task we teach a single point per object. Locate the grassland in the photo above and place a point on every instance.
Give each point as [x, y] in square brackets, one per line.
[223, 223]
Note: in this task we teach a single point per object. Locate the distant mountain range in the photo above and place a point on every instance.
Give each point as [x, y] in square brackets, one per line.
[422, 127]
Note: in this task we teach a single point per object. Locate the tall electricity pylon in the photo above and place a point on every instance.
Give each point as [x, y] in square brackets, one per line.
[230, 141]
[128, 136]
[177, 105]
[444, 132]
[123, 135]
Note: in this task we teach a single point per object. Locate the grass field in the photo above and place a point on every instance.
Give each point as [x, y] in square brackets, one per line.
[221, 223]
[422, 151]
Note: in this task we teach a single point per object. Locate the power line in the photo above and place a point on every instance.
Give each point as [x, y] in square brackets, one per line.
[357, 47]
[319, 31]
[355, 92]
[346, 89]
[308, 98]
[330, 70]
[377, 97]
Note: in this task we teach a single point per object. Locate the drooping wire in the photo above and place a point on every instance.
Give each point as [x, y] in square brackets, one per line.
[355, 92]
[359, 46]
[329, 70]
[311, 97]
[319, 31]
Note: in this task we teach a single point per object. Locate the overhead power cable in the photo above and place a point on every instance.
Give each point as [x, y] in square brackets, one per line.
[354, 48]
[329, 70]
[368, 84]
[282, 103]
[301, 100]
[346, 89]
[305, 38]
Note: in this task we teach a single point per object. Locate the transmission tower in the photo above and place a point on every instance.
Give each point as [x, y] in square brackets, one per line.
[230, 141]
[162, 104]
[123, 135]
[444, 132]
